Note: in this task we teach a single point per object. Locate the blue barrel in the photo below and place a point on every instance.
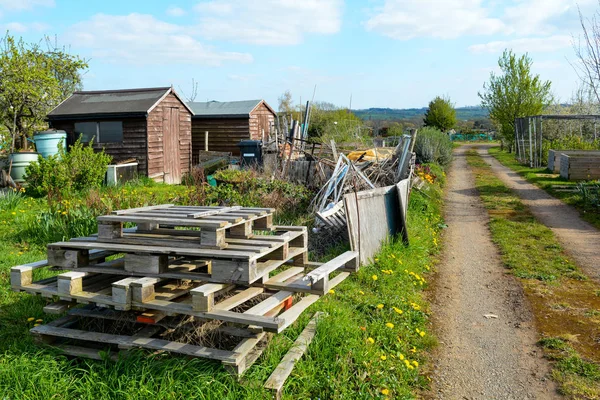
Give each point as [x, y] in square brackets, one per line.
[46, 142]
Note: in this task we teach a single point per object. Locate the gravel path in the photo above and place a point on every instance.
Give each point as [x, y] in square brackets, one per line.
[580, 239]
[479, 357]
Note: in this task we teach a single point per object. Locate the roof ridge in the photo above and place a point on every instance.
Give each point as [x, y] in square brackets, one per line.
[122, 90]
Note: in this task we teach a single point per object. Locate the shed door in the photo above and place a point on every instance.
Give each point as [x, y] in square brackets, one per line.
[172, 167]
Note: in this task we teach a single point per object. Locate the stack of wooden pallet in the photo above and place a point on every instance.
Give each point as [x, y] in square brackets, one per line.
[181, 269]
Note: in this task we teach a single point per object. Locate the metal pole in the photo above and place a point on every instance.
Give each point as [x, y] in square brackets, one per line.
[541, 139]
[534, 143]
[530, 148]
[206, 141]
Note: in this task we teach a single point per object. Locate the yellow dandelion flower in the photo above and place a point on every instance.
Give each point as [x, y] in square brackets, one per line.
[390, 325]
[385, 392]
[370, 340]
[36, 325]
[422, 333]
[383, 358]
[361, 292]
[380, 306]
[416, 364]
[13, 213]
[406, 362]
[399, 311]
[331, 291]
[413, 350]
[410, 367]
[401, 356]
[30, 319]
[39, 320]
[374, 277]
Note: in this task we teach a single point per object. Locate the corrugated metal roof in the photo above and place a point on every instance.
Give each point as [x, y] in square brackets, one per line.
[127, 101]
[223, 108]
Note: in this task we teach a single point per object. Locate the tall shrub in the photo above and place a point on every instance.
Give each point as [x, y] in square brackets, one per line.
[62, 175]
[433, 146]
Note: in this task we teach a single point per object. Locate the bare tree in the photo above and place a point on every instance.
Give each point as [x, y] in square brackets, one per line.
[193, 93]
[587, 51]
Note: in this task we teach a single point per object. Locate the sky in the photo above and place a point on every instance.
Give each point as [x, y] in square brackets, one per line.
[372, 53]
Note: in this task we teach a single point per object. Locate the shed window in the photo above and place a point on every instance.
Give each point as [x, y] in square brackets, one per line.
[102, 132]
[111, 131]
[87, 131]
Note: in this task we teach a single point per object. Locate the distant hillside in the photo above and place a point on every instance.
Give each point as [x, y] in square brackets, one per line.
[390, 114]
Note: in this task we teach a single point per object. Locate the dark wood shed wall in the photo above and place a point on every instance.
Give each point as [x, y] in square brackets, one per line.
[155, 136]
[261, 120]
[133, 145]
[224, 134]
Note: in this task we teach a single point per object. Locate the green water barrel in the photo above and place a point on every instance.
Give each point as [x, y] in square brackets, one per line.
[20, 161]
[46, 142]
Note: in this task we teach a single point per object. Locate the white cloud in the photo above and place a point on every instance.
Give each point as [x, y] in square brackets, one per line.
[407, 19]
[268, 22]
[21, 27]
[175, 11]
[540, 17]
[14, 27]
[143, 39]
[20, 5]
[525, 45]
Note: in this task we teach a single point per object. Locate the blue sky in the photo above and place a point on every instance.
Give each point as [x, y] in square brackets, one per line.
[383, 53]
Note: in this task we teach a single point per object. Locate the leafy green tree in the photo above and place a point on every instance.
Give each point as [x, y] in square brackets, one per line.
[328, 120]
[440, 114]
[515, 93]
[34, 80]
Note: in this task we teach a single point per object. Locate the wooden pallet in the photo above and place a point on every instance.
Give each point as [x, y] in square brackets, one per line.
[200, 299]
[194, 298]
[68, 335]
[243, 261]
[207, 226]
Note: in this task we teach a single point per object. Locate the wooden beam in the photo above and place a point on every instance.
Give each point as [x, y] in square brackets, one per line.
[284, 369]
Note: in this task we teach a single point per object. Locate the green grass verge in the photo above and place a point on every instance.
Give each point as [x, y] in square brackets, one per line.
[553, 284]
[558, 187]
[373, 343]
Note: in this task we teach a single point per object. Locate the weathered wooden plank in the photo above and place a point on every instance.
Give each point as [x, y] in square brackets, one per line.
[277, 379]
[138, 209]
[292, 314]
[207, 224]
[147, 343]
[238, 299]
[58, 307]
[121, 248]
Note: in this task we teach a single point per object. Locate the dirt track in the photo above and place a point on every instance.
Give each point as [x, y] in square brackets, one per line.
[579, 239]
[479, 357]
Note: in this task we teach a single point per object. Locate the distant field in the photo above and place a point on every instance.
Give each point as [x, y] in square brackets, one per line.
[462, 113]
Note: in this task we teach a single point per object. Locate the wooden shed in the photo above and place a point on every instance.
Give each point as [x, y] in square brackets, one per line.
[229, 122]
[151, 125]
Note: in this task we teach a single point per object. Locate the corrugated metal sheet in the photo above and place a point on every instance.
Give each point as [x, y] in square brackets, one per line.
[223, 109]
[132, 101]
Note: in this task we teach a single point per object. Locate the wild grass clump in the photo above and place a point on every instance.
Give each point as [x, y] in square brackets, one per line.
[433, 146]
[55, 226]
[11, 199]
